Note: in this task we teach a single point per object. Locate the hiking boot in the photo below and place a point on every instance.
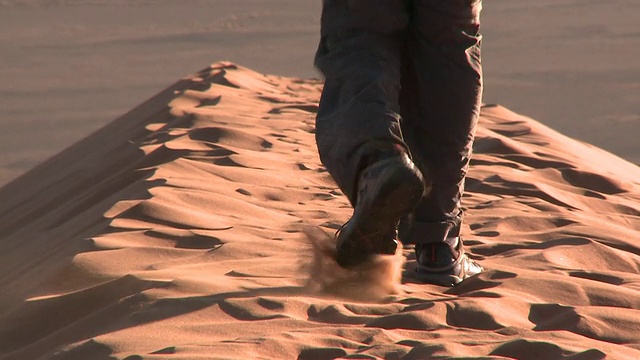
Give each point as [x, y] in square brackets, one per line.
[444, 263]
[388, 189]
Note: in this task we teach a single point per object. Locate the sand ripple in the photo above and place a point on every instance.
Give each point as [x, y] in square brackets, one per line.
[181, 231]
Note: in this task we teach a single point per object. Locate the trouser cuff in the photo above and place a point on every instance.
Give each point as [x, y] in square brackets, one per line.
[429, 233]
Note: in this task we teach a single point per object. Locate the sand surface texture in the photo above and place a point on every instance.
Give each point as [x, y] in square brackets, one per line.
[178, 232]
[69, 67]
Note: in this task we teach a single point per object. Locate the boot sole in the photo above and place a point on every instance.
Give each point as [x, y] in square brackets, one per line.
[398, 190]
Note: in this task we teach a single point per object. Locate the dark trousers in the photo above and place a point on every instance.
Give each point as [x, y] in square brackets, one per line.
[406, 72]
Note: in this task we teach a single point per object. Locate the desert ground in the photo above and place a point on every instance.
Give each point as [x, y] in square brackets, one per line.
[69, 67]
[159, 204]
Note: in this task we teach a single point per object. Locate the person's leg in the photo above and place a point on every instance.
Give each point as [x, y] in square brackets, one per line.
[442, 89]
[357, 128]
[359, 55]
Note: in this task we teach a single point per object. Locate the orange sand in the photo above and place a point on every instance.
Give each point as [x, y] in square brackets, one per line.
[178, 232]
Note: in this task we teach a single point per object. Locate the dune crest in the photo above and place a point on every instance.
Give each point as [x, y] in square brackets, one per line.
[177, 231]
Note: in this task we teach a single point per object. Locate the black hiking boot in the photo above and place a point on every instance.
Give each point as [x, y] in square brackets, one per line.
[445, 263]
[388, 189]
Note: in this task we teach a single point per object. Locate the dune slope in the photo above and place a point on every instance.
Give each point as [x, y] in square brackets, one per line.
[177, 232]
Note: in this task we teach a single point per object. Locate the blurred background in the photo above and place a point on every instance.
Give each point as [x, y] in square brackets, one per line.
[68, 67]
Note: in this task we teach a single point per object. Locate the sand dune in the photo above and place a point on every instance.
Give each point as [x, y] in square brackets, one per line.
[178, 232]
